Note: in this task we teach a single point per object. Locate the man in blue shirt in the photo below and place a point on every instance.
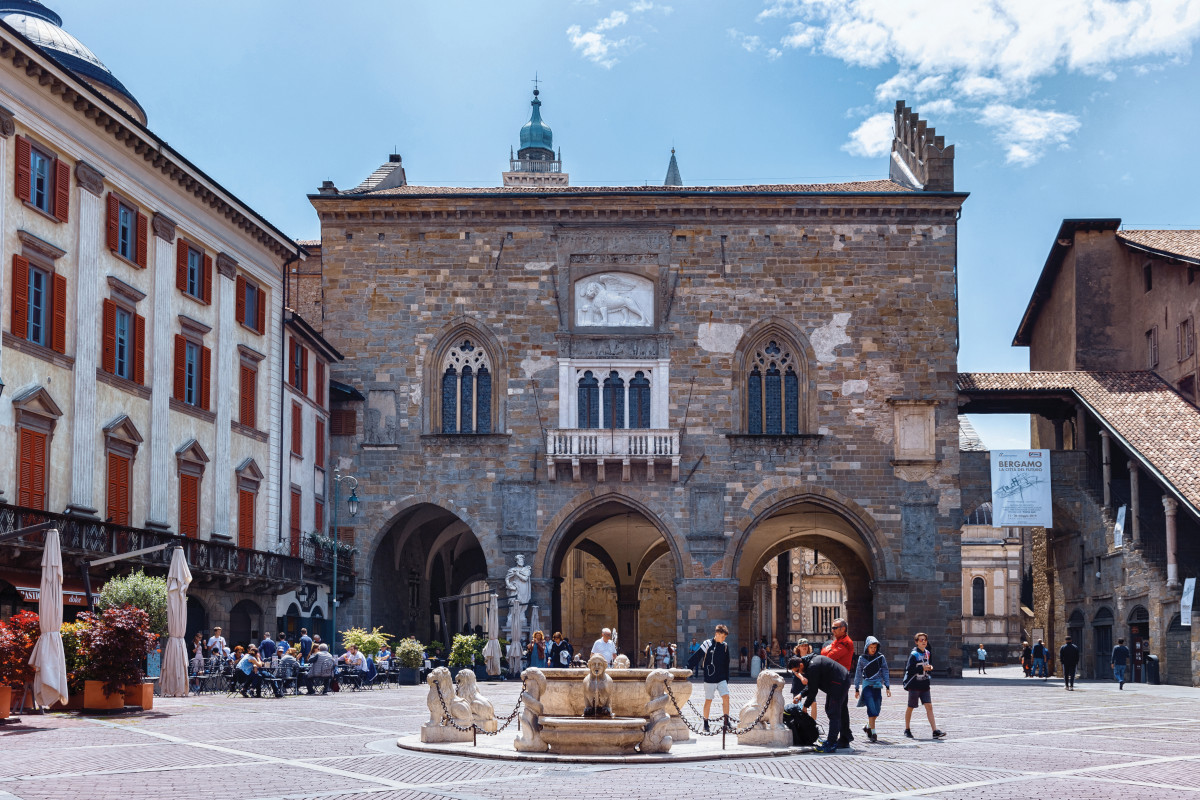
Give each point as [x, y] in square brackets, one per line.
[266, 648]
[1119, 662]
[305, 645]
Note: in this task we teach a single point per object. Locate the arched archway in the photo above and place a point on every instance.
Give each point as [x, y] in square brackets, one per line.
[197, 619]
[614, 564]
[427, 553]
[245, 624]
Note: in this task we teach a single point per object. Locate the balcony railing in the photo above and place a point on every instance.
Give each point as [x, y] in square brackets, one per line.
[210, 561]
[533, 165]
[318, 564]
[640, 445]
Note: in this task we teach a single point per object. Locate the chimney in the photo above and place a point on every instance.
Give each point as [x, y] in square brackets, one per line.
[327, 187]
[920, 158]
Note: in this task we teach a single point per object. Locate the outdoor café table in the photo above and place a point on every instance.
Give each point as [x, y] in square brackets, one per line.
[350, 676]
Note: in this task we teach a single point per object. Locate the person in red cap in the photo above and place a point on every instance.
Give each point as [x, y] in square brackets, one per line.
[841, 650]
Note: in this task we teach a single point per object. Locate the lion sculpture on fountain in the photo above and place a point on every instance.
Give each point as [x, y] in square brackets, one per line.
[658, 721]
[529, 740]
[483, 713]
[769, 730]
[442, 699]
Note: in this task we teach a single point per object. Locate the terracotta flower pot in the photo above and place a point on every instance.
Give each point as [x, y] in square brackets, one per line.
[74, 703]
[94, 698]
[5, 701]
[140, 695]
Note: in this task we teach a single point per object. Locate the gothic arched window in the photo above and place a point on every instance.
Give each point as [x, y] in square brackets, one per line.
[589, 400]
[977, 599]
[773, 390]
[639, 400]
[614, 401]
[466, 389]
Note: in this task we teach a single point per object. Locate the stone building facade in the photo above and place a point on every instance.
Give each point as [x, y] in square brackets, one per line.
[685, 382]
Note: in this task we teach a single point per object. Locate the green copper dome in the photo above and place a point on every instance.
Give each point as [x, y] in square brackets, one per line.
[536, 133]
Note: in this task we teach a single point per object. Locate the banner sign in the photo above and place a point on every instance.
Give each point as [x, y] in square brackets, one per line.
[1119, 528]
[1185, 604]
[1021, 489]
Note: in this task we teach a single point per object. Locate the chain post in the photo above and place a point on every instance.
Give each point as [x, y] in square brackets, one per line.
[724, 728]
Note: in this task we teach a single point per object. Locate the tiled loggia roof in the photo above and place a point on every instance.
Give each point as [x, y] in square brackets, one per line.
[1183, 243]
[869, 187]
[1140, 408]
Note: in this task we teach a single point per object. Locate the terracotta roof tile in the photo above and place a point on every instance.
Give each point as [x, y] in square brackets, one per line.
[1139, 407]
[798, 188]
[309, 242]
[1185, 244]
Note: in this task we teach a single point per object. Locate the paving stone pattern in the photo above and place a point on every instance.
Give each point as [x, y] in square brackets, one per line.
[1008, 738]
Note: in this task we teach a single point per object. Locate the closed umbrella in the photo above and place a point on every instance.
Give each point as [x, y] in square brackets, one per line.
[514, 644]
[174, 680]
[535, 620]
[48, 659]
[491, 650]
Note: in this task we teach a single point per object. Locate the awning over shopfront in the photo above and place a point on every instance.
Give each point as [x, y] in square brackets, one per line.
[28, 584]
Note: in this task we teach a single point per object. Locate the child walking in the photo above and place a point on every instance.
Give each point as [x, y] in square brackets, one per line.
[916, 681]
[872, 674]
[981, 658]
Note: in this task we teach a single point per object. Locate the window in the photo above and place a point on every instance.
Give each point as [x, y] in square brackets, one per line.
[42, 180]
[31, 468]
[298, 366]
[246, 519]
[1185, 339]
[297, 429]
[1147, 277]
[773, 392]
[639, 400]
[189, 505]
[193, 271]
[294, 521]
[118, 489]
[250, 305]
[192, 369]
[589, 400]
[343, 422]
[977, 601]
[319, 515]
[127, 230]
[1191, 275]
[466, 389]
[613, 398]
[39, 305]
[319, 442]
[1152, 347]
[248, 395]
[124, 347]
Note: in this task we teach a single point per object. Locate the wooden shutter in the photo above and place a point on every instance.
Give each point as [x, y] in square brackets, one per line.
[294, 522]
[58, 308]
[291, 357]
[143, 239]
[304, 371]
[240, 303]
[261, 322]
[31, 486]
[108, 350]
[343, 422]
[297, 429]
[113, 222]
[118, 489]
[319, 389]
[189, 505]
[62, 190]
[20, 297]
[205, 367]
[207, 279]
[319, 515]
[248, 396]
[24, 182]
[245, 519]
[139, 349]
[181, 267]
[180, 367]
[319, 441]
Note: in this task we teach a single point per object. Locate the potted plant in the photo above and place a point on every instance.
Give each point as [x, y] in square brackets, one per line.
[463, 651]
[410, 655]
[149, 593]
[369, 643]
[17, 637]
[116, 642]
[76, 659]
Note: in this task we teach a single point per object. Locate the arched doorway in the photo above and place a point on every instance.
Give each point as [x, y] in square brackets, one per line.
[290, 622]
[197, 620]
[613, 568]
[816, 565]
[1075, 625]
[427, 554]
[1102, 635]
[245, 624]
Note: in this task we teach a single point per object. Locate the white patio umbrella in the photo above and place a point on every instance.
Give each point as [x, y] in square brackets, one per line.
[48, 659]
[491, 650]
[535, 620]
[515, 651]
[174, 680]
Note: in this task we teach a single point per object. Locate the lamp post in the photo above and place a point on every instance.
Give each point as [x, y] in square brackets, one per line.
[352, 507]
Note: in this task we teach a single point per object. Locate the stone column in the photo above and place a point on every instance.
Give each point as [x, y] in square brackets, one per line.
[1106, 461]
[87, 305]
[1080, 428]
[161, 377]
[1135, 528]
[1058, 433]
[223, 385]
[660, 395]
[7, 128]
[627, 622]
[773, 597]
[1170, 507]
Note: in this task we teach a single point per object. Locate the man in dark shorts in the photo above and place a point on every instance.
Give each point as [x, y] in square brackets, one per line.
[916, 681]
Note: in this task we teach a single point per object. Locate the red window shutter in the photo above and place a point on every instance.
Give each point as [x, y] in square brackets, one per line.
[31, 480]
[207, 279]
[181, 259]
[343, 422]
[62, 190]
[294, 522]
[319, 516]
[58, 308]
[139, 349]
[118, 489]
[24, 181]
[180, 367]
[245, 519]
[319, 441]
[189, 505]
[240, 304]
[108, 350]
[291, 354]
[20, 297]
[205, 367]
[113, 224]
[319, 389]
[143, 239]
[304, 371]
[297, 429]
[249, 397]
[261, 324]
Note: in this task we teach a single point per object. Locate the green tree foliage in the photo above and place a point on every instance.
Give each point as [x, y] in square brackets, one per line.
[140, 591]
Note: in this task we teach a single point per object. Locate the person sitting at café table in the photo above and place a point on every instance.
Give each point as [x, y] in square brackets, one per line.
[382, 659]
[289, 670]
[321, 669]
[249, 665]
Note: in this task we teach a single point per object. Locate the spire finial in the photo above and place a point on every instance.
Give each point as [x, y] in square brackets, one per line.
[535, 85]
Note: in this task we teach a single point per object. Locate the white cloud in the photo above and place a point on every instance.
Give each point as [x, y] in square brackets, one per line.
[873, 138]
[595, 45]
[747, 42]
[614, 20]
[1026, 133]
[640, 6]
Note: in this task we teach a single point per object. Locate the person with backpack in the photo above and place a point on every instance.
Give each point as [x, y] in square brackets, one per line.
[1068, 656]
[823, 674]
[872, 675]
[1039, 660]
[916, 682]
[1119, 662]
[711, 660]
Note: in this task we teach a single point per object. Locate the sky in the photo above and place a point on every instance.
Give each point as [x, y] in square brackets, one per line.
[1056, 108]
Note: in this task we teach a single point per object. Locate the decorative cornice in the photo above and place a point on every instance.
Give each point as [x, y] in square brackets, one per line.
[124, 290]
[40, 246]
[193, 326]
[226, 265]
[164, 227]
[8, 125]
[89, 178]
[249, 354]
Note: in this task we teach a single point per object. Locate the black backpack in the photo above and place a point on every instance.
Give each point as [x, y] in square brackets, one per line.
[805, 730]
[697, 658]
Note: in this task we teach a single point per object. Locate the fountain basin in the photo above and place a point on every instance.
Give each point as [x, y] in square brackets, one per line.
[564, 695]
[591, 736]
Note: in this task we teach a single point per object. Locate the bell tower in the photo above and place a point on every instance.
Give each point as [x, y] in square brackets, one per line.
[535, 164]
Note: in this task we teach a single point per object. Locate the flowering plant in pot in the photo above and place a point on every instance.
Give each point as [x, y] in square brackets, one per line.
[410, 655]
[17, 637]
[116, 642]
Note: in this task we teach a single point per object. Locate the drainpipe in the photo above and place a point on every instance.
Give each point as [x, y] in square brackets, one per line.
[292, 259]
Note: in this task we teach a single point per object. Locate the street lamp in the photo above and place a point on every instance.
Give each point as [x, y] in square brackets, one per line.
[352, 507]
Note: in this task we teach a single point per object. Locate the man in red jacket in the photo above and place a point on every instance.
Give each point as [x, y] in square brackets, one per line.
[841, 650]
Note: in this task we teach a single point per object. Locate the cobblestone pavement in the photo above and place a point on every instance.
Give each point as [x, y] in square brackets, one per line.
[1009, 737]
